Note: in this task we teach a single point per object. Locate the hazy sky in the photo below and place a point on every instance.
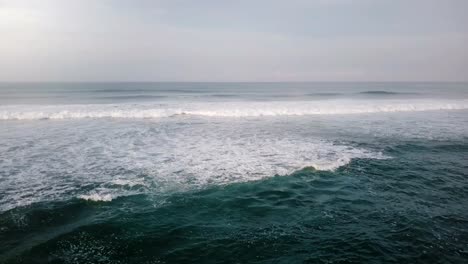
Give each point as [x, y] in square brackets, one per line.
[242, 40]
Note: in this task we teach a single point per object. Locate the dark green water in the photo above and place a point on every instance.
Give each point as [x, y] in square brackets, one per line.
[411, 208]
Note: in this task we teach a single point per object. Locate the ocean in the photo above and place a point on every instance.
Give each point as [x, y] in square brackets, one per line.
[233, 173]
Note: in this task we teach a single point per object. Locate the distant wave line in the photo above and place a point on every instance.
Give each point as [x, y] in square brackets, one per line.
[224, 109]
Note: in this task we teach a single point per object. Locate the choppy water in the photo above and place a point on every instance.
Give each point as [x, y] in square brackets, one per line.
[234, 173]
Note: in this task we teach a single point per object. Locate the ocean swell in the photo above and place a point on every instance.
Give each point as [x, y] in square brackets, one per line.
[224, 109]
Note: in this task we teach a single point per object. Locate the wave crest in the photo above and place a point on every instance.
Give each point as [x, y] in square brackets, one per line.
[225, 109]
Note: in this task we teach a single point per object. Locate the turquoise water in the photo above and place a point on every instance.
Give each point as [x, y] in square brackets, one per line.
[234, 173]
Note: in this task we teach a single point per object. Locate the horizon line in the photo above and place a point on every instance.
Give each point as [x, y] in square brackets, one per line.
[116, 81]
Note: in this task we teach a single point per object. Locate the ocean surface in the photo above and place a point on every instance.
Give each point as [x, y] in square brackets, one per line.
[233, 173]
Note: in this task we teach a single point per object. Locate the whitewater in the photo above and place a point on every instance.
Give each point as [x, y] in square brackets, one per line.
[226, 109]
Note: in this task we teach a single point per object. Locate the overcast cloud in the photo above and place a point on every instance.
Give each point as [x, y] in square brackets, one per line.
[244, 40]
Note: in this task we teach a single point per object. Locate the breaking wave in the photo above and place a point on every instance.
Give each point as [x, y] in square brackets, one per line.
[224, 109]
[116, 162]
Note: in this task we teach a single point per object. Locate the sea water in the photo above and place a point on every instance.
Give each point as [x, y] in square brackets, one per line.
[233, 172]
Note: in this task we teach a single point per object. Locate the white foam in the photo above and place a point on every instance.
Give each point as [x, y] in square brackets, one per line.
[342, 161]
[99, 161]
[226, 109]
[95, 197]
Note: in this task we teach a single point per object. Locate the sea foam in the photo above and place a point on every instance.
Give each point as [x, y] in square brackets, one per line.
[101, 161]
[225, 109]
[95, 197]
